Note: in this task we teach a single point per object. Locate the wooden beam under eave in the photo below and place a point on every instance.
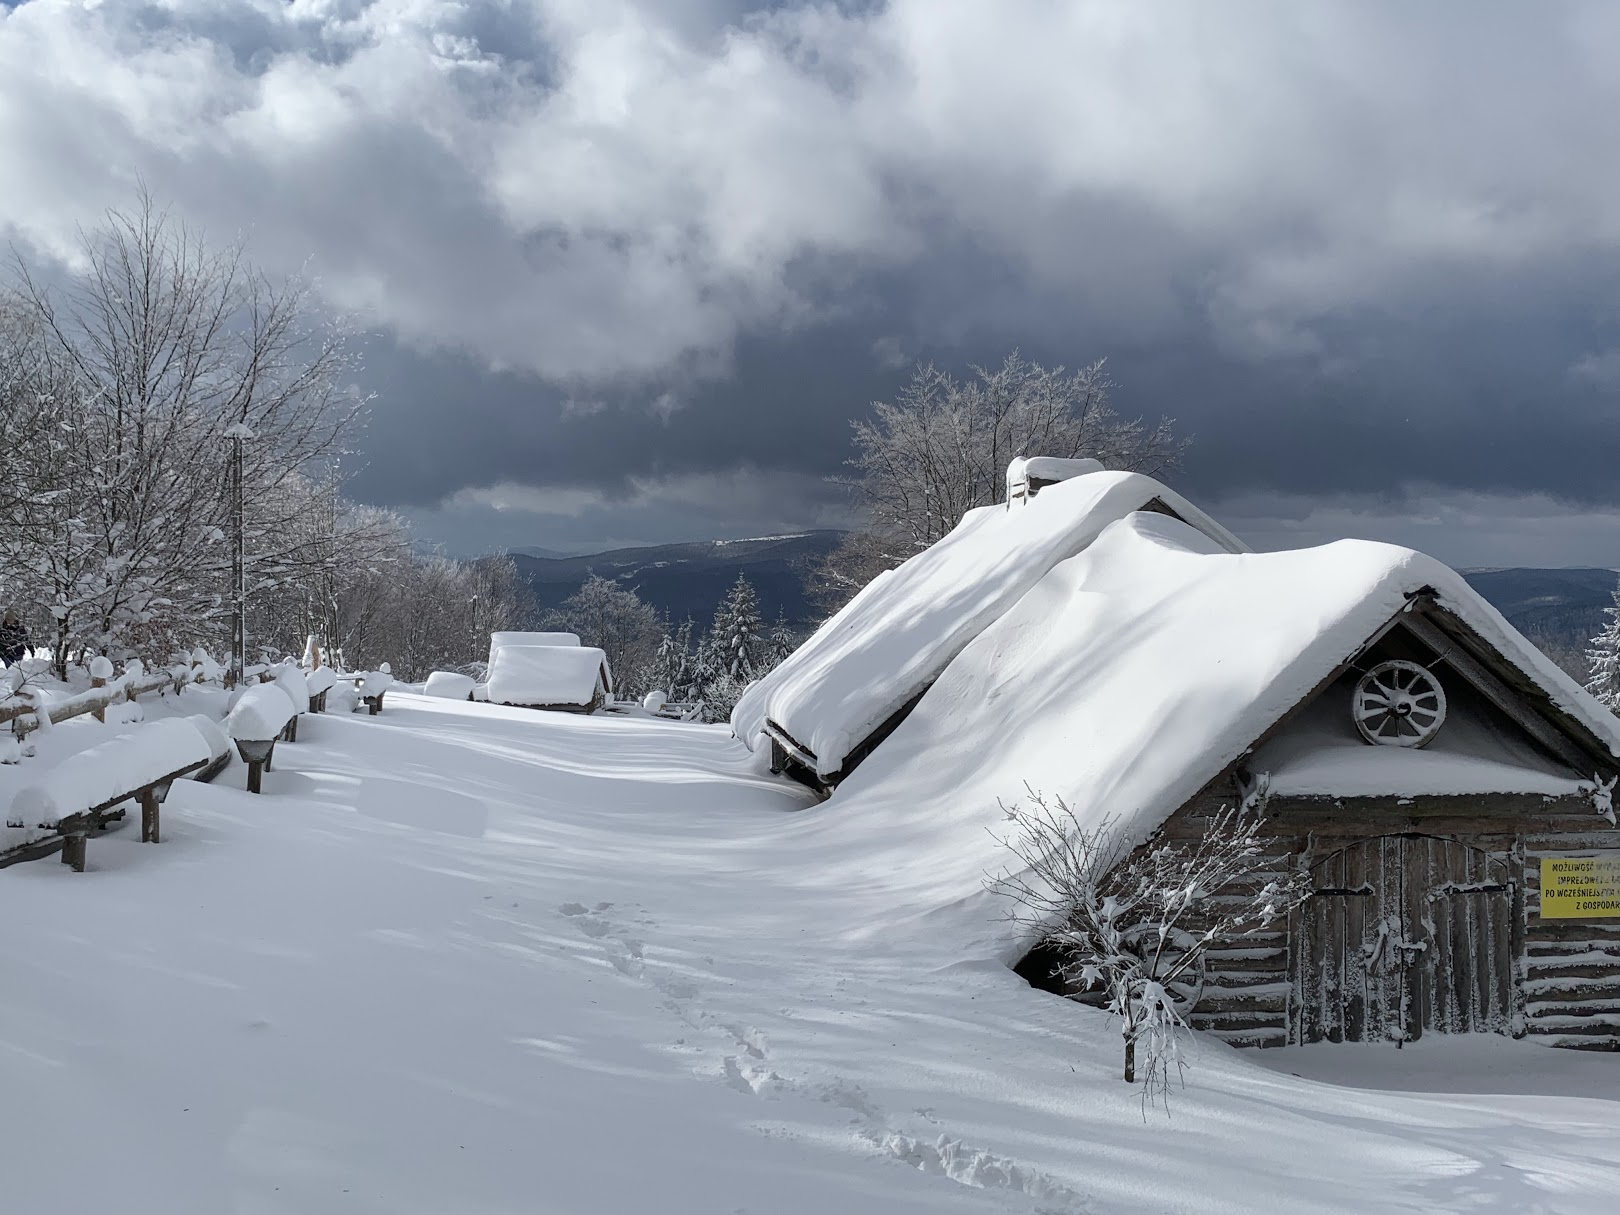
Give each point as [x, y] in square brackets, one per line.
[1528, 705]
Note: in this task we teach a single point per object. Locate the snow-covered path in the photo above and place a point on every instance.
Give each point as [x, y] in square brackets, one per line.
[473, 960]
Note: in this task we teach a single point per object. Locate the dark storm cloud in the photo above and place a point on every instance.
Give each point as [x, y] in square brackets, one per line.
[634, 265]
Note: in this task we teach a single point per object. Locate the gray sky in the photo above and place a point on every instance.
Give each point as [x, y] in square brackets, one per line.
[631, 267]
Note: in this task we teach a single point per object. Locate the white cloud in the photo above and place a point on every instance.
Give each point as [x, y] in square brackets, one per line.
[1599, 370]
[608, 190]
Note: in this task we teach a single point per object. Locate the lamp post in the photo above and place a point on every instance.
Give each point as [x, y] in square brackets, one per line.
[236, 434]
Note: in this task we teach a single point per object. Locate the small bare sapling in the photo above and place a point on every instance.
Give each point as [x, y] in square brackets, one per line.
[1133, 923]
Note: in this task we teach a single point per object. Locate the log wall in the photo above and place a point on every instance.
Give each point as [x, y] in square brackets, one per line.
[1482, 959]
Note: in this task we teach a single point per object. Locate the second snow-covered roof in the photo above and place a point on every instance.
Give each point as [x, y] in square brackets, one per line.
[894, 638]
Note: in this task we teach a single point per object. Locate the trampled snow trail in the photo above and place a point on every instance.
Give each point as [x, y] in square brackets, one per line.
[466, 959]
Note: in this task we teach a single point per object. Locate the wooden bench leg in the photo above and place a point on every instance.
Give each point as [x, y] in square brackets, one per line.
[73, 852]
[253, 776]
[150, 806]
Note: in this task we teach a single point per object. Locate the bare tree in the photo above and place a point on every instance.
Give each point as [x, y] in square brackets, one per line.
[617, 621]
[1133, 923]
[942, 447]
[172, 346]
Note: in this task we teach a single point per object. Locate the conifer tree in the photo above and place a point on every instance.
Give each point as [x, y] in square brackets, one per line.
[738, 644]
[1604, 659]
[783, 640]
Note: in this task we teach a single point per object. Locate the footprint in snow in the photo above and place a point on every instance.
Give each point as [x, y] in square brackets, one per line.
[573, 909]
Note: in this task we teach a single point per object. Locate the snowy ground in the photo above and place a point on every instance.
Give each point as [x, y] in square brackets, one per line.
[474, 960]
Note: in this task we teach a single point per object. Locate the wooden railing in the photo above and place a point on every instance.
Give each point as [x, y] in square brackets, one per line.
[23, 714]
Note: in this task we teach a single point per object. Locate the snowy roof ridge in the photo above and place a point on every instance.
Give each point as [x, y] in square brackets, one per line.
[895, 637]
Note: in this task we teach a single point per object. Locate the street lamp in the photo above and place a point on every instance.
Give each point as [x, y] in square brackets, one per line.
[236, 434]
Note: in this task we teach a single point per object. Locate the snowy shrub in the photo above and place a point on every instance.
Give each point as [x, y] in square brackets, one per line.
[1133, 923]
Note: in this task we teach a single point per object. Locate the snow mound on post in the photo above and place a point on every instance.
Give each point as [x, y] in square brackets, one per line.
[261, 714]
[894, 638]
[211, 733]
[109, 770]
[293, 682]
[547, 675]
[1130, 677]
[450, 685]
[320, 680]
[375, 683]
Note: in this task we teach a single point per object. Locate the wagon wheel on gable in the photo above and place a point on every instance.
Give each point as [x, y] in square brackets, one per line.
[1186, 988]
[1399, 704]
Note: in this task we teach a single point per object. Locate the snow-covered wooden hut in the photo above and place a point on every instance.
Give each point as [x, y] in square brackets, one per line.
[841, 693]
[569, 678]
[1444, 785]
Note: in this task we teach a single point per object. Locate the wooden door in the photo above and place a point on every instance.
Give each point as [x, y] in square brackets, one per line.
[1403, 933]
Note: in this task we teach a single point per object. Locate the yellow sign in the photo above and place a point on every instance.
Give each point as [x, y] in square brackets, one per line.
[1580, 887]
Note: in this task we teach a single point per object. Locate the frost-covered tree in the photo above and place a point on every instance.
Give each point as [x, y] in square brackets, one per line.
[1603, 659]
[783, 640]
[165, 347]
[1133, 922]
[671, 667]
[739, 646]
[617, 621]
[942, 446]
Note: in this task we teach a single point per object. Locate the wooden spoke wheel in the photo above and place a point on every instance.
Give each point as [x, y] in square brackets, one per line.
[1399, 704]
[1186, 988]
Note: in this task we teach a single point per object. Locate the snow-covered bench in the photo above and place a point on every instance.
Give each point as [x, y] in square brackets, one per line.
[85, 792]
[449, 685]
[258, 718]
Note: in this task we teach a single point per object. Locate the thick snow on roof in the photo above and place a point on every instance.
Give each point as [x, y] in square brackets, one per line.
[545, 675]
[893, 639]
[497, 640]
[1025, 469]
[1135, 672]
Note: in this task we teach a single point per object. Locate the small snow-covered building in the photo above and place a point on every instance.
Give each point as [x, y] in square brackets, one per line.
[1446, 788]
[840, 694]
[569, 678]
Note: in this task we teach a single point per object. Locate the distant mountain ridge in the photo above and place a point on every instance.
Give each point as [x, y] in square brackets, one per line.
[1558, 609]
[682, 580]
